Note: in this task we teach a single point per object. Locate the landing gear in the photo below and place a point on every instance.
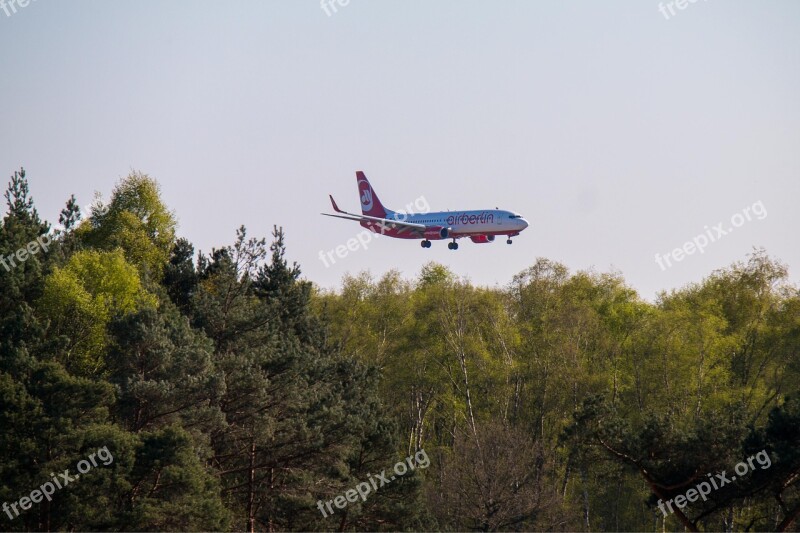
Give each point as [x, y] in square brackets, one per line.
[508, 241]
[425, 244]
[452, 245]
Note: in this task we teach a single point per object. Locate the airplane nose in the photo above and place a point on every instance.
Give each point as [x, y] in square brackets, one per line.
[524, 223]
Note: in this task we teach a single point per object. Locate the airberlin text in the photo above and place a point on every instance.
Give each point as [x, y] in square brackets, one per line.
[465, 219]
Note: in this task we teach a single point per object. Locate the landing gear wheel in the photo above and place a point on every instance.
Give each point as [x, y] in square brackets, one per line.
[508, 241]
[425, 244]
[452, 245]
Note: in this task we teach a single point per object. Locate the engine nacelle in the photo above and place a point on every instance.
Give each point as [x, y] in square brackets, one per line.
[482, 239]
[436, 233]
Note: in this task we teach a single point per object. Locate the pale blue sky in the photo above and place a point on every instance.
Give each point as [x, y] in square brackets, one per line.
[616, 132]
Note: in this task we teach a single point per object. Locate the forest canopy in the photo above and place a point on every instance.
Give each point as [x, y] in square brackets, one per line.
[234, 394]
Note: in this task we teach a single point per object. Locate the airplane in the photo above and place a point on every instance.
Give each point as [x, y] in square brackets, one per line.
[480, 226]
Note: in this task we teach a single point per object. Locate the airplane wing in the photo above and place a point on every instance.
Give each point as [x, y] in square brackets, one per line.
[384, 222]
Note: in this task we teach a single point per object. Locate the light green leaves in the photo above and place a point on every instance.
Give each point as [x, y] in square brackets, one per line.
[81, 298]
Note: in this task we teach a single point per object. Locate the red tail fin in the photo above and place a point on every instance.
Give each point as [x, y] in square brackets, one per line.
[370, 204]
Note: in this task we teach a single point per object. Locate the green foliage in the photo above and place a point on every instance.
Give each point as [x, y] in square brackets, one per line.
[180, 277]
[149, 349]
[170, 488]
[82, 298]
[672, 387]
[135, 220]
[20, 286]
[234, 395]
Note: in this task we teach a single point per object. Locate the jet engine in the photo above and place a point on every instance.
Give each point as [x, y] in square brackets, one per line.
[437, 233]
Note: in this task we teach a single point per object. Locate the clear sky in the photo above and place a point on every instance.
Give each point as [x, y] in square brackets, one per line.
[617, 131]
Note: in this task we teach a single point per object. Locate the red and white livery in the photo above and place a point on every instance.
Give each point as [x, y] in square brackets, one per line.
[481, 226]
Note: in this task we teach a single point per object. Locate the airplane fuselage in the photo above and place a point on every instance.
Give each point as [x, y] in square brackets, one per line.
[459, 223]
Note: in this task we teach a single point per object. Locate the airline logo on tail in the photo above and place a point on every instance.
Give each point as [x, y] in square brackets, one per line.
[366, 195]
[370, 203]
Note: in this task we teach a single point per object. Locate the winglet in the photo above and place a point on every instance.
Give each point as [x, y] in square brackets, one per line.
[335, 207]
